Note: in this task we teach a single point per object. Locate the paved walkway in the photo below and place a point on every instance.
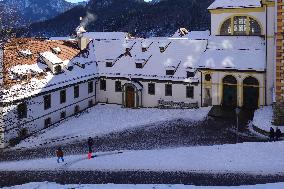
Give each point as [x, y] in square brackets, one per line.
[134, 177]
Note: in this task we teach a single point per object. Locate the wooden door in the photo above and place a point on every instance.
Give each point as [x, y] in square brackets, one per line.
[130, 97]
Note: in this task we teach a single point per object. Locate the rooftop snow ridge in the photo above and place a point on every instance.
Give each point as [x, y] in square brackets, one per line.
[226, 4]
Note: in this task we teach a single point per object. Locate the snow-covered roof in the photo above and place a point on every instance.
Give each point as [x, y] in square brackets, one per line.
[28, 68]
[106, 35]
[51, 57]
[179, 54]
[69, 53]
[232, 4]
[193, 35]
[130, 60]
[238, 53]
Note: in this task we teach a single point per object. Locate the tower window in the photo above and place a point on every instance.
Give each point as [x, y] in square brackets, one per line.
[240, 25]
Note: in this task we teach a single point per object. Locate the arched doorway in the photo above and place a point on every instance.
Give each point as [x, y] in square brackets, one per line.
[230, 91]
[250, 92]
[130, 97]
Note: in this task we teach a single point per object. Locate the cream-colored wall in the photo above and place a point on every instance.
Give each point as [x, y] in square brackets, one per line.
[270, 67]
[217, 88]
[178, 93]
[218, 19]
[270, 70]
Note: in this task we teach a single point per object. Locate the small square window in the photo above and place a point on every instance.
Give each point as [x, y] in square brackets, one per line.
[168, 90]
[190, 74]
[62, 96]
[189, 92]
[76, 91]
[47, 122]
[170, 72]
[90, 87]
[103, 85]
[118, 87]
[63, 115]
[139, 65]
[90, 103]
[47, 101]
[151, 88]
[109, 64]
[77, 109]
[22, 110]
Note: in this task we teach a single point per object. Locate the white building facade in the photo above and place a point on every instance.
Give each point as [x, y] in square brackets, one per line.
[231, 65]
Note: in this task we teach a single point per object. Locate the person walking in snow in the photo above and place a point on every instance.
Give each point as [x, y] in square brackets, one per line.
[278, 134]
[271, 134]
[90, 146]
[59, 154]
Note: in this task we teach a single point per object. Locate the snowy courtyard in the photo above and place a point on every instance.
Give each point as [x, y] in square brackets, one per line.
[103, 119]
[247, 158]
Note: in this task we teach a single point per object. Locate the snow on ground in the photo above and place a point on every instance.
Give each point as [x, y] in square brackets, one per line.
[250, 158]
[47, 185]
[263, 119]
[103, 119]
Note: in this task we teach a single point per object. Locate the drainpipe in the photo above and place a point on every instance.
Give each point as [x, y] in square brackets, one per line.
[201, 90]
[265, 76]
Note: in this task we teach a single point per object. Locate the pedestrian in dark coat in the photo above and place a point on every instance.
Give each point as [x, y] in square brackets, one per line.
[271, 134]
[278, 134]
[90, 146]
[59, 154]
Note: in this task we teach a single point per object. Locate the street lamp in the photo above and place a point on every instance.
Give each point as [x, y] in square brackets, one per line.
[238, 110]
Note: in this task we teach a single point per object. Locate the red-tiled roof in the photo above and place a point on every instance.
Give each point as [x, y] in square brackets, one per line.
[69, 50]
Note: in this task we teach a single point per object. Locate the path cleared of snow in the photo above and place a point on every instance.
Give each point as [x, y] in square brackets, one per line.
[263, 119]
[250, 158]
[47, 185]
[103, 119]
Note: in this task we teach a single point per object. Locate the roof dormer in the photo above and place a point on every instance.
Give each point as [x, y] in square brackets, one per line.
[25, 53]
[164, 45]
[54, 63]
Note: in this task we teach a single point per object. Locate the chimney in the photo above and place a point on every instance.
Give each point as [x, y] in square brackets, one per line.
[82, 41]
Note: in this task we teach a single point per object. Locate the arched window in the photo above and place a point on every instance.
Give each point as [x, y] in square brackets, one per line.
[229, 79]
[240, 25]
[251, 81]
[226, 27]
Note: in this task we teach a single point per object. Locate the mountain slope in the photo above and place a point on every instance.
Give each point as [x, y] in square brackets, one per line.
[29, 11]
[138, 18]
